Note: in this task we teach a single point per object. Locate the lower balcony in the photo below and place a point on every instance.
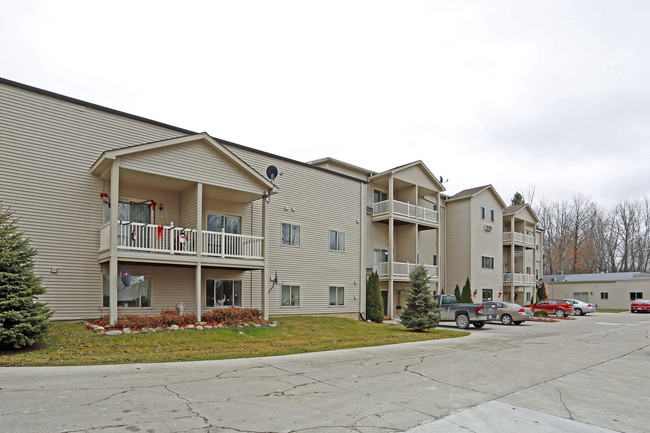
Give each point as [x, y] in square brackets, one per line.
[401, 270]
[517, 278]
[155, 239]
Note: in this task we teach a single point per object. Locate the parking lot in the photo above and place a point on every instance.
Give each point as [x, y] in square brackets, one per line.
[588, 374]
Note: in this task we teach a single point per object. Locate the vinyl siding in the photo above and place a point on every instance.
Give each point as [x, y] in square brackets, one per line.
[47, 147]
[459, 243]
[417, 176]
[195, 161]
[317, 201]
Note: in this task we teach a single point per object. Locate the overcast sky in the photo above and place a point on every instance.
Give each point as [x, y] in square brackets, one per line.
[554, 94]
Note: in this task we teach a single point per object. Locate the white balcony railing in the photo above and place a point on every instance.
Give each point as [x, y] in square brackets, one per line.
[175, 240]
[518, 278]
[402, 270]
[519, 238]
[405, 209]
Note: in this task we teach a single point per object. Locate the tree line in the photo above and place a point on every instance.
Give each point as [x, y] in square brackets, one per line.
[581, 236]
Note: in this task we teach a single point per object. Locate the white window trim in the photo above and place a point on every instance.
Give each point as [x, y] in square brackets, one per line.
[483, 262]
[223, 215]
[337, 240]
[290, 290]
[151, 297]
[336, 305]
[292, 225]
[205, 300]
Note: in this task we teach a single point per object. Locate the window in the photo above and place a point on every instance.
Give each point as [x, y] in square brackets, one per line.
[130, 211]
[220, 293]
[527, 297]
[215, 223]
[136, 295]
[379, 196]
[636, 295]
[604, 295]
[291, 296]
[487, 262]
[528, 270]
[337, 295]
[435, 260]
[337, 240]
[290, 234]
[487, 214]
[487, 294]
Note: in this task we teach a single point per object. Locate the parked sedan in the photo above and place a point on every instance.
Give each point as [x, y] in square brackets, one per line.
[640, 305]
[509, 313]
[558, 307]
[580, 308]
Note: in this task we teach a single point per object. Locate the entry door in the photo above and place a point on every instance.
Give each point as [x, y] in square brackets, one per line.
[384, 298]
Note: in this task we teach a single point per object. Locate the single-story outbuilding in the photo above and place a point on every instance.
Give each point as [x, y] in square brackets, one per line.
[606, 290]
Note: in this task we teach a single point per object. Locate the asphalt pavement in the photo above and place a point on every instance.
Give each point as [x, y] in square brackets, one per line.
[591, 374]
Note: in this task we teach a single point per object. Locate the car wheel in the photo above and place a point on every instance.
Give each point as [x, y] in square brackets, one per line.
[462, 321]
[578, 312]
[518, 322]
[479, 324]
[506, 319]
[560, 313]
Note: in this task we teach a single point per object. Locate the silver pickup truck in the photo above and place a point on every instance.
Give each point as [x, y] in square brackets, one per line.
[464, 314]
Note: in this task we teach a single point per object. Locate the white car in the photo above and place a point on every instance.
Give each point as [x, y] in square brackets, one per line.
[581, 308]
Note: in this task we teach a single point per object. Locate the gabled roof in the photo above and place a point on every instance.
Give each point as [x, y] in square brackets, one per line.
[399, 168]
[104, 161]
[512, 210]
[156, 123]
[473, 192]
[334, 161]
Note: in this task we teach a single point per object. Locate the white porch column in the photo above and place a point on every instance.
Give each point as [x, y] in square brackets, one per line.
[265, 254]
[391, 246]
[112, 266]
[512, 259]
[199, 247]
[439, 284]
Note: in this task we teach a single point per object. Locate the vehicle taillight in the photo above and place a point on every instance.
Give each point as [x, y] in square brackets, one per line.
[480, 310]
[521, 310]
[588, 305]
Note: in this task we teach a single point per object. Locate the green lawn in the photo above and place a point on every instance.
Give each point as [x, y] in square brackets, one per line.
[73, 344]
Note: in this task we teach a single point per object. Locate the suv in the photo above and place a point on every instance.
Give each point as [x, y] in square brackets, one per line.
[559, 307]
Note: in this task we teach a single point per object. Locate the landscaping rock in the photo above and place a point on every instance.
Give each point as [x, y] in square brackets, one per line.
[273, 324]
[202, 323]
[152, 331]
[208, 327]
[219, 325]
[98, 329]
[199, 328]
[174, 328]
[126, 330]
[189, 327]
[114, 332]
[144, 330]
[159, 329]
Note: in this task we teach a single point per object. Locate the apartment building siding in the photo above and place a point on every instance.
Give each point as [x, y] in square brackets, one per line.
[459, 244]
[48, 145]
[318, 201]
[486, 243]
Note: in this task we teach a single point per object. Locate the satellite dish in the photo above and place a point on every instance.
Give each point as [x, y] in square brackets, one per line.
[272, 172]
[274, 281]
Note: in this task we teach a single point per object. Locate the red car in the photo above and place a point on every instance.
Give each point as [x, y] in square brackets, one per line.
[640, 305]
[559, 307]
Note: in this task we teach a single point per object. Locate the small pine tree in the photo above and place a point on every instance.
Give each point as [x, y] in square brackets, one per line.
[517, 199]
[457, 293]
[421, 312]
[541, 292]
[466, 296]
[374, 303]
[23, 320]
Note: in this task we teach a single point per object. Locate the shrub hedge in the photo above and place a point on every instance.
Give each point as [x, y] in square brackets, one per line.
[230, 316]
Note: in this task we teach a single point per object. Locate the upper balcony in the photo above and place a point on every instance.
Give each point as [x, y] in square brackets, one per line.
[402, 270]
[519, 239]
[405, 211]
[520, 279]
[169, 243]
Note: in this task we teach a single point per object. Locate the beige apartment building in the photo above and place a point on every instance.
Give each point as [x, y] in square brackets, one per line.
[197, 222]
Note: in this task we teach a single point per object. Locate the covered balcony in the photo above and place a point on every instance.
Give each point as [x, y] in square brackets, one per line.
[405, 210]
[402, 270]
[519, 239]
[519, 279]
